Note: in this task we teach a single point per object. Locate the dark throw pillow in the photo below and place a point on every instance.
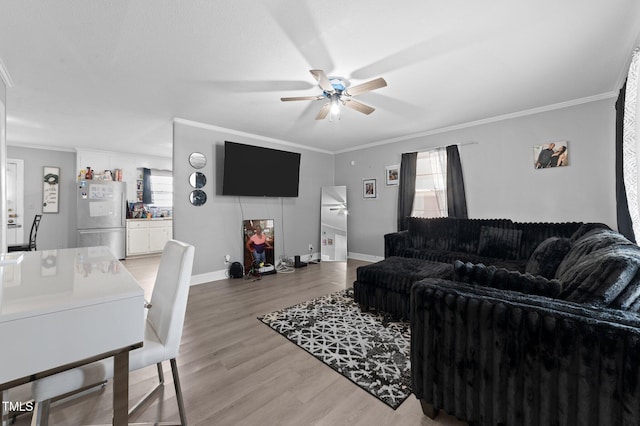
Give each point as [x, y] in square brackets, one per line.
[500, 243]
[546, 258]
[601, 276]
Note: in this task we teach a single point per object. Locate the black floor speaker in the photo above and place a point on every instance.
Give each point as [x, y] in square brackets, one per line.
[297, 263]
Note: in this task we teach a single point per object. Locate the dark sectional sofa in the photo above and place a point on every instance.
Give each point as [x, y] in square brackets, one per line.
[430, 245]
[498, 242]
[546, 332]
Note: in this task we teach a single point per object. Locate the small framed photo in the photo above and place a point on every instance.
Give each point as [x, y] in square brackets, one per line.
[392, 174]
[554, 154]
[369, 189]
[51, 189]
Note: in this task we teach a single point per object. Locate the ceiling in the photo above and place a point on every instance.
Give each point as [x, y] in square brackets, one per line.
[113, 74]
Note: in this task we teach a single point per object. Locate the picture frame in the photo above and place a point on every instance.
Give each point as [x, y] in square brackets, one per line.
[264, 253]
[392, 175]
[551, 155]
[369, 188]
[50, 189]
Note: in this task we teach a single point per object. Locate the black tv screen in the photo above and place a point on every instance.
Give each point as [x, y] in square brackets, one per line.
[261, 172]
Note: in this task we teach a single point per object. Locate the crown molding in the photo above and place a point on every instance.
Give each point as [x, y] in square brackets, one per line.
[81, 149]
[4, 75]
[509, 116]
[36, 146]
[524, 113]
[248, 135]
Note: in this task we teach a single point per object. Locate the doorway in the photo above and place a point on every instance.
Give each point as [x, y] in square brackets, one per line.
[15, 201]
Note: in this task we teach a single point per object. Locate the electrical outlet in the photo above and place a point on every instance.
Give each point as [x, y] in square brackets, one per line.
[227, 258]
[310, 247]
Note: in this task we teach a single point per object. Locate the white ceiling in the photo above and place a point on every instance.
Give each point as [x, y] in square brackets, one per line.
[113, 74]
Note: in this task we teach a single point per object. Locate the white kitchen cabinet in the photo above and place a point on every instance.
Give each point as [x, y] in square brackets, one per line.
[159, 234]
[148, 236]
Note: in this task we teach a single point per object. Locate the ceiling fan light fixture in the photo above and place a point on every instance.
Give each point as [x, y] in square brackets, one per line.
[338, 90]
[335, 108]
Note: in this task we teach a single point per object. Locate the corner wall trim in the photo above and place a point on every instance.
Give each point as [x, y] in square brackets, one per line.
[248, 135]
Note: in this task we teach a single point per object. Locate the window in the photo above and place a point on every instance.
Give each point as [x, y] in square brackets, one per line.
[431, 192]
[161, 189]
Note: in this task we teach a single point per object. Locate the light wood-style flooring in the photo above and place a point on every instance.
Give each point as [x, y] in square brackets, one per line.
[234, 370]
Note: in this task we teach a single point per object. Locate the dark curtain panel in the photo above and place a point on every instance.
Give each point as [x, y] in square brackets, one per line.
[407, 188]
[456, 198]
[146, 186]
[625, 226]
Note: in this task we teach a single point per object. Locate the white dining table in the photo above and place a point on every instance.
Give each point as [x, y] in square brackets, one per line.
[60, 309]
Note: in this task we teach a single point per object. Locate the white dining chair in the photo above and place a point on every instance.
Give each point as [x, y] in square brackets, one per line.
[163, 331]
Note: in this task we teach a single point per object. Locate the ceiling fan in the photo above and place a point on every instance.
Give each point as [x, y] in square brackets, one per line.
[337, 91]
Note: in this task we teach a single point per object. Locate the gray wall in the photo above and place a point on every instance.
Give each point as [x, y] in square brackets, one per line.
[56, 230]
[215, 229]
[500, 180]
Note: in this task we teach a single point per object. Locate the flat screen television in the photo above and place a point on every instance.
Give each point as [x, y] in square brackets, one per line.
[260, 172]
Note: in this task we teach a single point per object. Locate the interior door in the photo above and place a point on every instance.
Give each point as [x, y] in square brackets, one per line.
[15, 201]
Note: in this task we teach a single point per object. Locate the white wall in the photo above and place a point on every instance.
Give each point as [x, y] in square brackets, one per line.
[215, 229]
[500, 180]
[57, 230]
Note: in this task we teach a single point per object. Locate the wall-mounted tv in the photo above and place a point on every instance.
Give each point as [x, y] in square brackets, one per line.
[260, 172]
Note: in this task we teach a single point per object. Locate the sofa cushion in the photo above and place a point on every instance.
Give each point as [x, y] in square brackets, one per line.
[547, 257]
[501, 243]
[586, 228]
[593, 240]
[603, 276]
[504, 279]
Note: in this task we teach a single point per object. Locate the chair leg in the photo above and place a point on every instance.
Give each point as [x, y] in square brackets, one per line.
[151, 393]
[40, 416]
[176, 383]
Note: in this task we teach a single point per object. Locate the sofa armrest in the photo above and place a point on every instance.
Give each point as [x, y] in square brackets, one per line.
[494, 356]
[395, 242]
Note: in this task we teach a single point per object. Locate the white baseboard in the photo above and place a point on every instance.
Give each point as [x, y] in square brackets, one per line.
[364, 257]
[223, 274]
[209, 276]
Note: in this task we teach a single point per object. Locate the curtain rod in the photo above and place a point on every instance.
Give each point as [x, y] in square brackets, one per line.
[431, 148]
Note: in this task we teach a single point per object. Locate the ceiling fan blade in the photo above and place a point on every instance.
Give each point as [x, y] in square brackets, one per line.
[302, 98]
[324, 111]
[366, 87]
[323, 80]
[359, 106]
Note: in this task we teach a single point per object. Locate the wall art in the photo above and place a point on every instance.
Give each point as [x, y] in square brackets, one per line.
[369, 189]
[554, 154]
[392, 175]
[51, 190]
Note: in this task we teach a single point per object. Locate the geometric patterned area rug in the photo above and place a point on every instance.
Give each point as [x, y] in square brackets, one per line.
[368, 348]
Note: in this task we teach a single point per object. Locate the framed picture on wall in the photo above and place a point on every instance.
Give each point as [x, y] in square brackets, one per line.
[392, 174]
[369, 189]
[51, 190]
[553, 154]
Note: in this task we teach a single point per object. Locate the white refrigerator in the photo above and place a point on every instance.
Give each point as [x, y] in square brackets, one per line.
[102, 215]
